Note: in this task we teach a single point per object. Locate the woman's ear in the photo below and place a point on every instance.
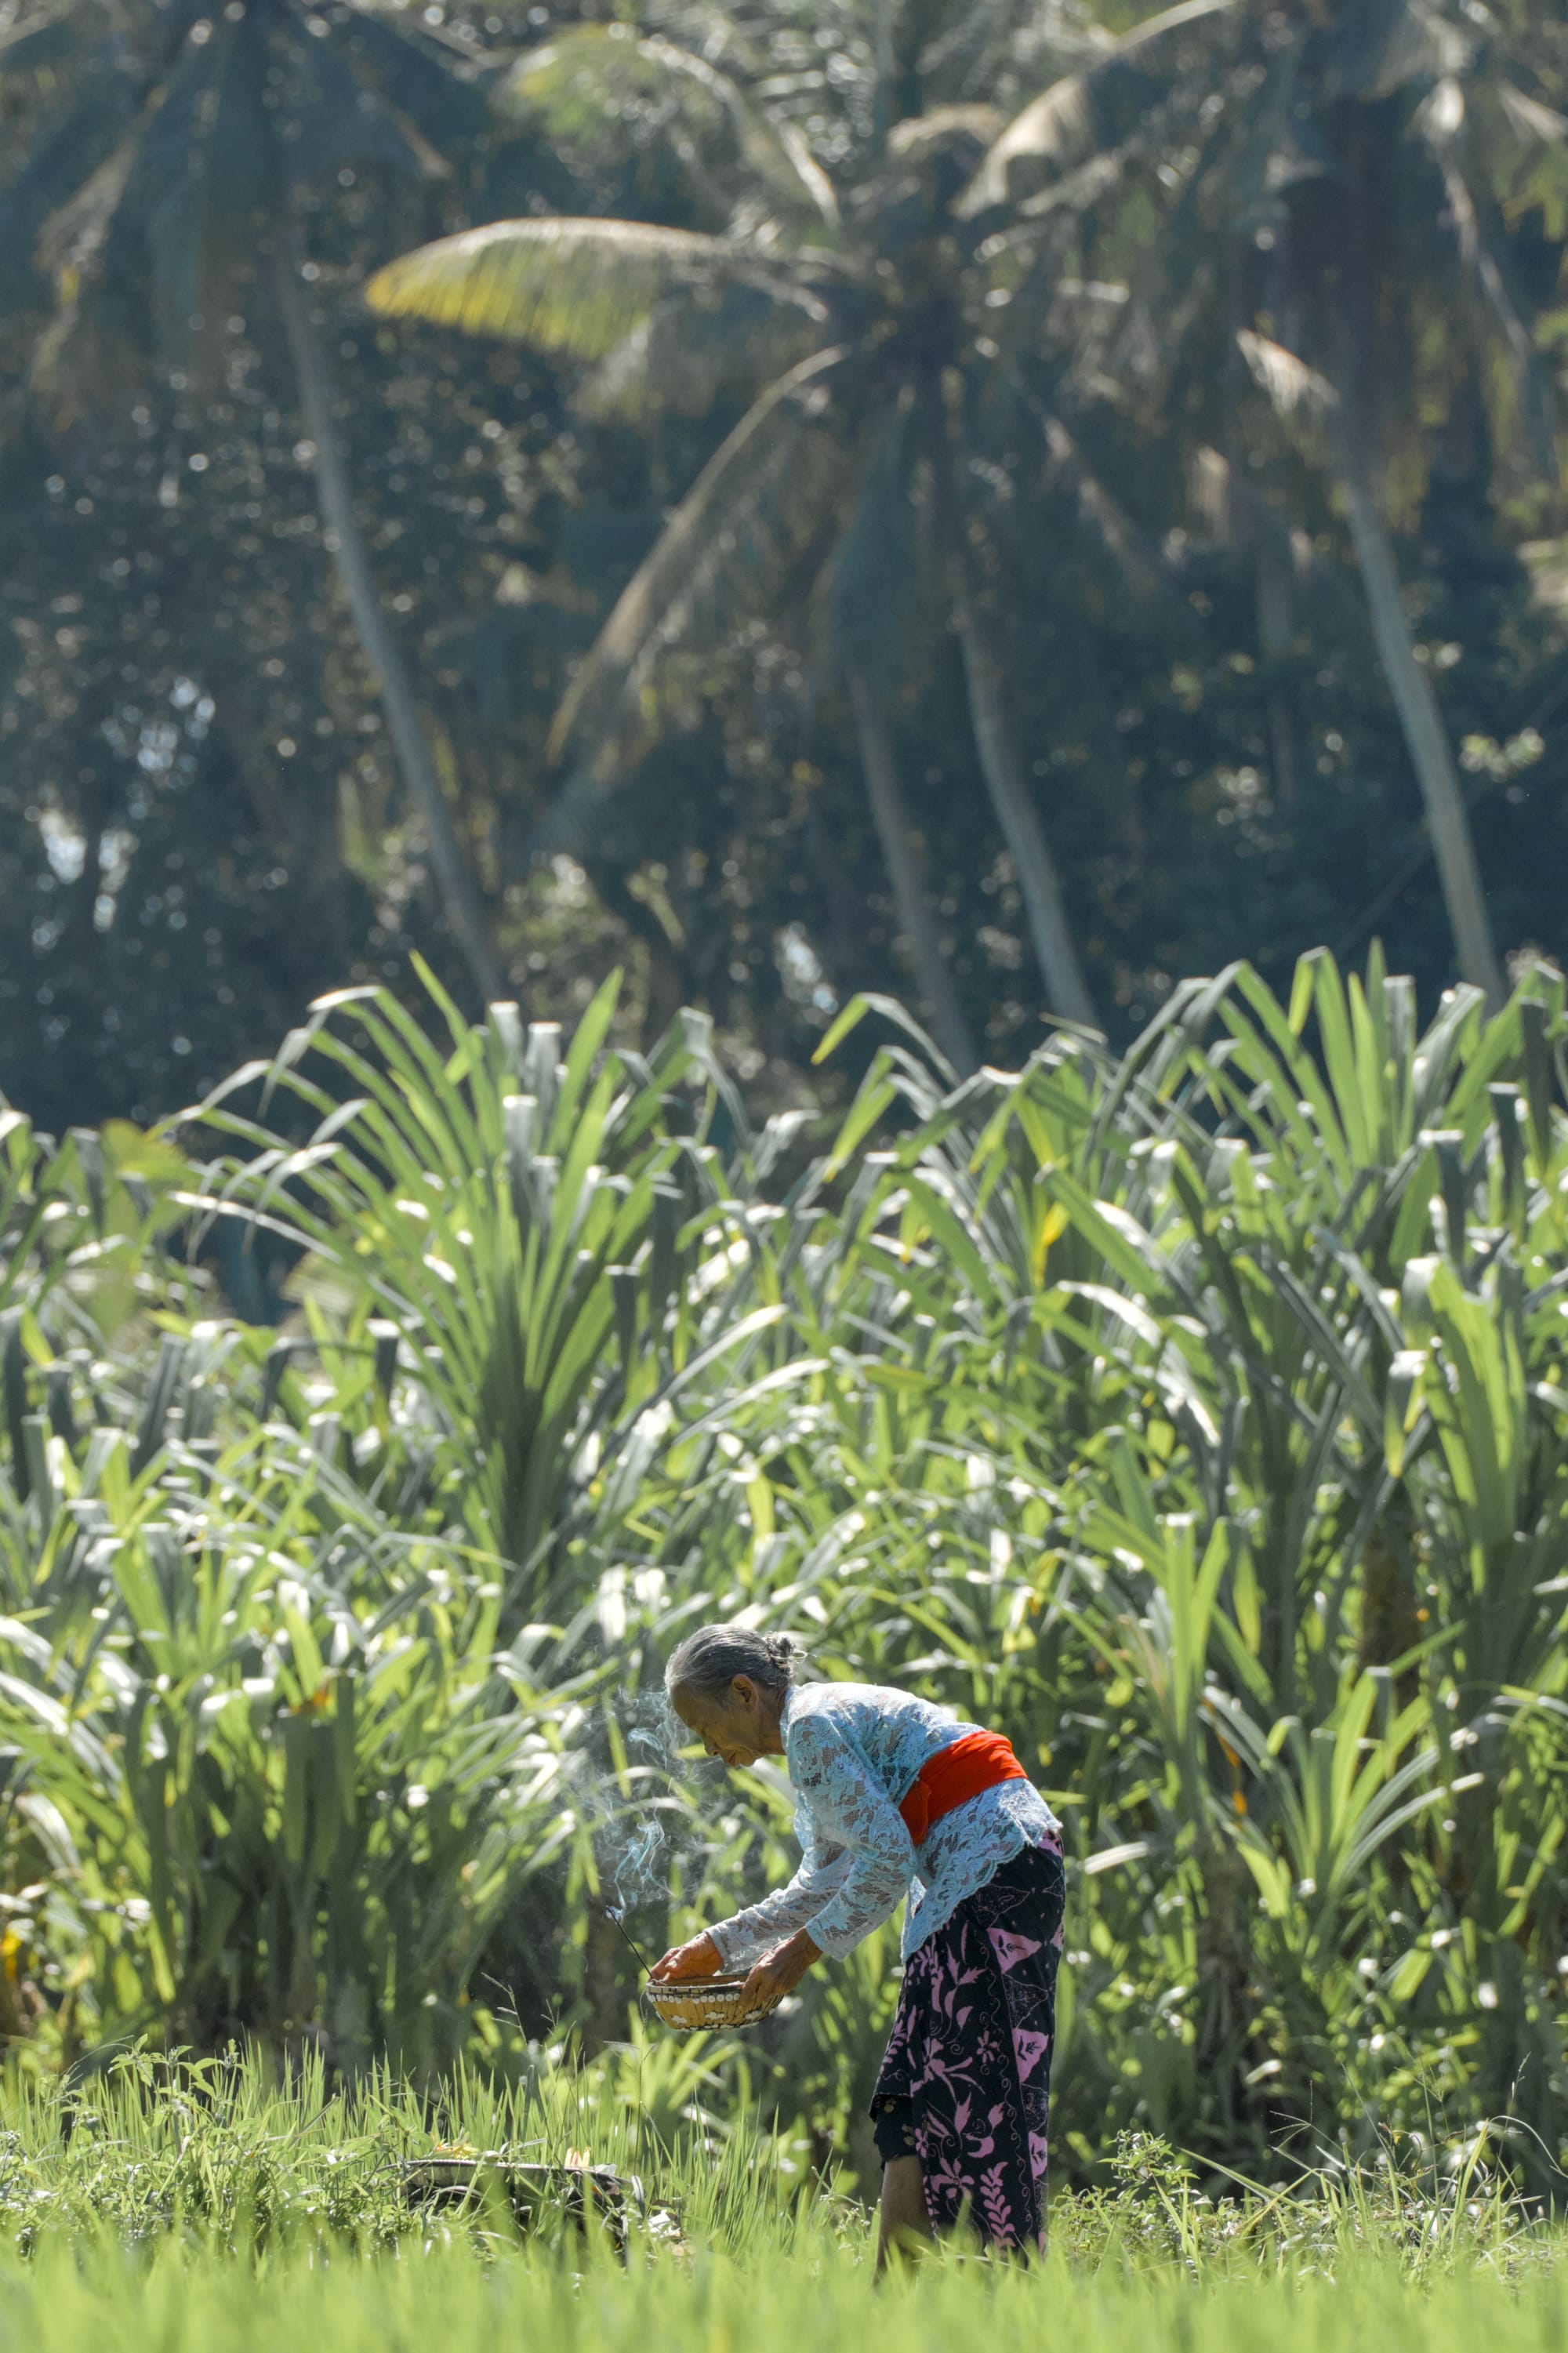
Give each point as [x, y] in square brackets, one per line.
[742, 1692]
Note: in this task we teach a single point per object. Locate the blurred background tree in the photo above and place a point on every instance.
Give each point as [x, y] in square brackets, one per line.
[1101, 583]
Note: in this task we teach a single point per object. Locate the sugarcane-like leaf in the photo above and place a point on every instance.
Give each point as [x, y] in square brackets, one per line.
[574, 286]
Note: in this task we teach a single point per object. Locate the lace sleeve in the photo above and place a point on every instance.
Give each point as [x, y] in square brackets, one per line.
[823, 1870]
[849, 1806]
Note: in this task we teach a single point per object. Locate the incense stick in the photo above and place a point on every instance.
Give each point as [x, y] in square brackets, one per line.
[611, 1914]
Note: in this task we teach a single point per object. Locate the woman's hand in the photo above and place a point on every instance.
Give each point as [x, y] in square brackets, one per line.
[697, 1958]
[778, 1973]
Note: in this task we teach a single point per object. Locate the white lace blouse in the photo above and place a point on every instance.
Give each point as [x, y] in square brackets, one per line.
[853, 1752]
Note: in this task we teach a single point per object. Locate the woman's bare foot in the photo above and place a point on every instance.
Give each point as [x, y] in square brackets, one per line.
[904, 2227]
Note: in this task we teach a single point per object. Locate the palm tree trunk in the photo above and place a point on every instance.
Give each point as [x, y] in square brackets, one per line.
[1037, 877]
[464, 910]
[895, 832]
[1426, 737]
[1276, 603]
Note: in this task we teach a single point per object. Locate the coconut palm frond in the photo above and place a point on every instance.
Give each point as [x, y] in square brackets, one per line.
[712, 30]
[972, 45]
[577, 287]
[1530, 120]
[160, 235]
[1214, 496]
[756, 511]
[1523, 148]
[1382, 46]
[39, 40]
[1294, 391]
[434, 74]
[57, 169]
[944, 128]
[1486, 265]
[344, 119]
[74, 231]
[595, 71]
[687, 355]
[1071, 127]
[1230, 513]
[1100, 513]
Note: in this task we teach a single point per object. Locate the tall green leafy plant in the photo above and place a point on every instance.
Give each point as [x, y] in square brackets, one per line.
[533, 1229]
[1196, 1416]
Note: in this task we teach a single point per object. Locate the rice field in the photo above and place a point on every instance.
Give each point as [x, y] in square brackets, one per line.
[449, 2291]
[388, 2303]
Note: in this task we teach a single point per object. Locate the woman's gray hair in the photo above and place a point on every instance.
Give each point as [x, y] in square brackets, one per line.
[708, 1661]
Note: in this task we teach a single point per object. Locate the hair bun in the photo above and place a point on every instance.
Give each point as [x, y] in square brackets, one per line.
[709, 1660]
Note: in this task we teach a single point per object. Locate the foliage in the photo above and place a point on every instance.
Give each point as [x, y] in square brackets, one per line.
[261, 1765]
[1197, 1417]
[550, 1225]
[1213, 1445]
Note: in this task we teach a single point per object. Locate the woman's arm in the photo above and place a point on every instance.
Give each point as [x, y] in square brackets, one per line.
[854, 1870]
[823, 1870]
[849, 1806]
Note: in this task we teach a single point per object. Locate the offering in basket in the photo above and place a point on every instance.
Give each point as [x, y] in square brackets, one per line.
[690, 2003]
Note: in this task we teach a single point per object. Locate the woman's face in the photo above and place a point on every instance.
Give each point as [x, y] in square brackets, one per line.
[739, 1729]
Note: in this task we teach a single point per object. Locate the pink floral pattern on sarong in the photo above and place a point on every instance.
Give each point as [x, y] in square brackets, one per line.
[971, 2051]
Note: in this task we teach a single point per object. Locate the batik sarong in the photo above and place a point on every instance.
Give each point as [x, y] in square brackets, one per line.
[967, 2073]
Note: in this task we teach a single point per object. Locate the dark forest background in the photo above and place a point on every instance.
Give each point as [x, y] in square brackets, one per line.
[1114, 392]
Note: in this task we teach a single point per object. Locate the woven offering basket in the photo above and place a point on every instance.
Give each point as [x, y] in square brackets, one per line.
[697, 2003]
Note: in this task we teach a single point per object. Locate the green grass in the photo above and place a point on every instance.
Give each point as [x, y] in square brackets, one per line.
[158, 2206]
[223, 2156]
[818, 2296]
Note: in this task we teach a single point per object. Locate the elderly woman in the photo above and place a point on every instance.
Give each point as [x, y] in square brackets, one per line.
[895, 1800]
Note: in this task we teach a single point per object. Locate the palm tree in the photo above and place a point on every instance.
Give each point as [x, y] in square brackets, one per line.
[852, 491]
[171, 192]
[1335, 176]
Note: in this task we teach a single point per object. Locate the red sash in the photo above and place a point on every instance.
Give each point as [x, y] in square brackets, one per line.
[976, 1761]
